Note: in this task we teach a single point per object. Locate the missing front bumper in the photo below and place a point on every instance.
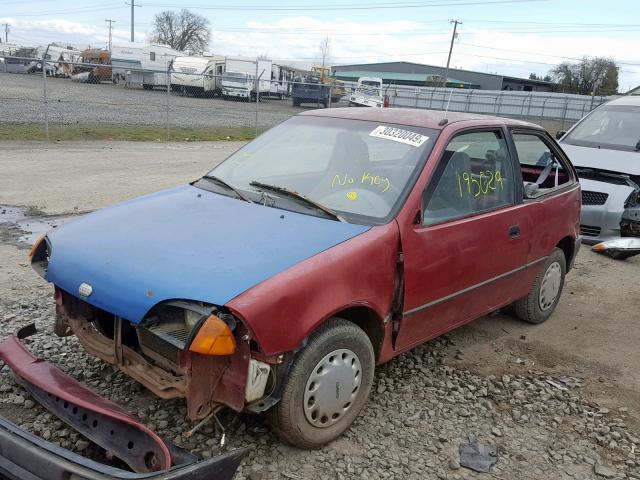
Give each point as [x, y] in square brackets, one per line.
[25, 456]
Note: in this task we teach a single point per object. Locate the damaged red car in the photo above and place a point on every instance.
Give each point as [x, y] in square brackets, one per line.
[328, 245]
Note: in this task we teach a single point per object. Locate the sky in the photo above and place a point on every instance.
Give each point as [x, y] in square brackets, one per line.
[508, 37]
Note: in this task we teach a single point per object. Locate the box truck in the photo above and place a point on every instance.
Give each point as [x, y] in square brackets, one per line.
[239, 78]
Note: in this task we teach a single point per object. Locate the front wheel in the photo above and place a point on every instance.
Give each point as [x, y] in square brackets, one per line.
[328, 385]
[545, 293]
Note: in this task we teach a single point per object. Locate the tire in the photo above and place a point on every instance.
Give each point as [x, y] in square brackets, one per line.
[540, 303]
[349, 345]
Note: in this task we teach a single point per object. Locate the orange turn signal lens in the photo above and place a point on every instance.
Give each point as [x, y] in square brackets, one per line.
[214, 338]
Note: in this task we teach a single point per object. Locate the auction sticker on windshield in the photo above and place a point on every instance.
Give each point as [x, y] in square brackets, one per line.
[399, 135]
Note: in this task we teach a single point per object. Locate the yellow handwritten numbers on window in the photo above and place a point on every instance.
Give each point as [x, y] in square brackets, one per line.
[477, 176]
[483, 183]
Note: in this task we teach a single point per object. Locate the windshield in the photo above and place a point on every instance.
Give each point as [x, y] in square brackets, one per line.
[615, 127]
[361, 170]
[235, 77]
[370, 83]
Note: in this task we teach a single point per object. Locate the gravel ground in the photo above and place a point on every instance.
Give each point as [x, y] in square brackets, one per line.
[559, 400]
[421, 409]
[82, 103]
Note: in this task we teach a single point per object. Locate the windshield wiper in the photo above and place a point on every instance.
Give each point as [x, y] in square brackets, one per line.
[298, 196]
[224, 184]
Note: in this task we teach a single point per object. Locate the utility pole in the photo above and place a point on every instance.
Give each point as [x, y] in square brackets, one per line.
[111, 22]
[133, 5]
[453, 37]
[6, 32]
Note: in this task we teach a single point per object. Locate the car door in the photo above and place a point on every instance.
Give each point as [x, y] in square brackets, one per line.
[551, 183]
[463, 259]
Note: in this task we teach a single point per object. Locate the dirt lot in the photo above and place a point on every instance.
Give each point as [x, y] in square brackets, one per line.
[561, 400]
[81, 104]
[84, 103]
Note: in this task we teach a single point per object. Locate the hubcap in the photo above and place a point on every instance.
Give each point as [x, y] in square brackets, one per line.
[550, 286]
[332, 388]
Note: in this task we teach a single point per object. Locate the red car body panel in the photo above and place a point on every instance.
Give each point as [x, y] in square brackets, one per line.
[282, 311]
[454, 272]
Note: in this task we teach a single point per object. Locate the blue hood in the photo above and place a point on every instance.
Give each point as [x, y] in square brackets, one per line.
[183, 243]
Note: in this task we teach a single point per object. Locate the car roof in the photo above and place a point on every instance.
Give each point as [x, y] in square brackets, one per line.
[633, 100]
[416, 117]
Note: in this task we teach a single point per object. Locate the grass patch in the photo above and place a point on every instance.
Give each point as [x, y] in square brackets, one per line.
[135, 133]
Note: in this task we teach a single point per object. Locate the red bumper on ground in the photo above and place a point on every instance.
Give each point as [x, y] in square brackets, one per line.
[99, 419]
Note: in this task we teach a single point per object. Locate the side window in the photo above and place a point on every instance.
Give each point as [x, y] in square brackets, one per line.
[478, 177]
[152, 56]
[541, 170]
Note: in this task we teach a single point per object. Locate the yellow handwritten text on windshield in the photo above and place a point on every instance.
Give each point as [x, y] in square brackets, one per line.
[365, 179]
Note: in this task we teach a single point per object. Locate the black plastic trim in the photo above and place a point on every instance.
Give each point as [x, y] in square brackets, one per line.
[24, 456]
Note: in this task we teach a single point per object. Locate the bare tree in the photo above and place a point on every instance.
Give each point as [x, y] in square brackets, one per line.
[325, 51]
[181, 30]
[592, 76]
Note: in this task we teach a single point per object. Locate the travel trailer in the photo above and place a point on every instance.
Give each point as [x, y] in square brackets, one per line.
[129, 62]
[198, 75]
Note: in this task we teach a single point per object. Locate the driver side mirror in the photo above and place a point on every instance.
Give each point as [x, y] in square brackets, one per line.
[560, 134]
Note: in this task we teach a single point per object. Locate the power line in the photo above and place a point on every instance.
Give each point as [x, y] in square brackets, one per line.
[441, 3]
[547, 24]
[539, 54]
[85, 9]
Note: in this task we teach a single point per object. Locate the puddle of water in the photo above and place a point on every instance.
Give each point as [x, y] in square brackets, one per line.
[31, 228]
[12, 214]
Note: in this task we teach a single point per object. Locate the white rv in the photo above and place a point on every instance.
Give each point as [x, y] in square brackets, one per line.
[62, 57]
[281, 78]
[239, 78]
[128, 62]
[368, 93]
[197, 75]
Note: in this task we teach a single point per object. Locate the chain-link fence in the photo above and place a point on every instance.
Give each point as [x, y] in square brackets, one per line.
[218, 99]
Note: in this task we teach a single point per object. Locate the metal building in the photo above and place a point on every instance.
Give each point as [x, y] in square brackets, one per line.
[418, 74]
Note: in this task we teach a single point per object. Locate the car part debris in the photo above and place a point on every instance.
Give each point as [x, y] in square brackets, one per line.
[477, 456]
[557, 385]
[619, 249]
[23, 455]
[204, 421]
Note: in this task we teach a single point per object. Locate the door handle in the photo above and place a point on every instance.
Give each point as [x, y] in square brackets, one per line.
[514, 232]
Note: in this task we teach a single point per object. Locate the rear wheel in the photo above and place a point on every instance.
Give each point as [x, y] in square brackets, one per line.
[545, 293]
[327, 386]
